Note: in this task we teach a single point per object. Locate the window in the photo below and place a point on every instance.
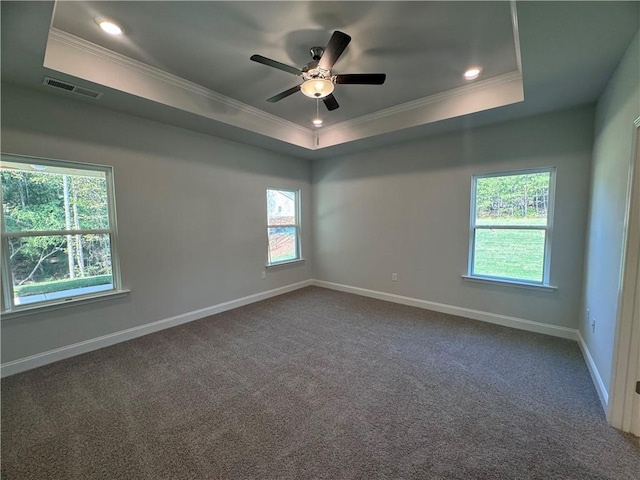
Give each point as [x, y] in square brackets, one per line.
[58, 232]
[511, 220]
[283, 226]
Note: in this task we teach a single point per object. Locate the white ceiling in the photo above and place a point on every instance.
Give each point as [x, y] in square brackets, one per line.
[568, 51]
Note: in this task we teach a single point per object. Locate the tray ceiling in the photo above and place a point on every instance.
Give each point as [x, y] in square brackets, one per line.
[195, 56]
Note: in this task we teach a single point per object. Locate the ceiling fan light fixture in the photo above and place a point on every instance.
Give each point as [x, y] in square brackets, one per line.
[110, 27]
[472, 73]
[317, 88]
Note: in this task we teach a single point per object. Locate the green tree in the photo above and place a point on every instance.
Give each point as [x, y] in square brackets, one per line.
[35, 201]
[523, 196]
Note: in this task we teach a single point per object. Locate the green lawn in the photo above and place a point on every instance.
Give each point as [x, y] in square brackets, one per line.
[506, 220]
[60, 285]
[517, 254]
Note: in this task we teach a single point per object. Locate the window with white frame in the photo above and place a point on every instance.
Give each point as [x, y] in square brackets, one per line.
[511, 222]
[58, 232]
[283, 225]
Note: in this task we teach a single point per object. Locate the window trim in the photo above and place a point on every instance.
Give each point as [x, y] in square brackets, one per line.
[548, 229]
[42, 307]
[7, 303]
[296, 225]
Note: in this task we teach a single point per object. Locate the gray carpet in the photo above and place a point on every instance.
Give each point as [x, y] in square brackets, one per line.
[316, 384]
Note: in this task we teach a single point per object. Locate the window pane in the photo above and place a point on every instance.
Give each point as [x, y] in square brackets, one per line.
[41, 198]
[283, 245]
[49, 267]
[281, 207]
[513, 199]
[517, 254]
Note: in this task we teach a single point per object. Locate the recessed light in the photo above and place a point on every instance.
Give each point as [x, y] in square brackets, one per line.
[110, 27]
[472, 73]
[317, 122]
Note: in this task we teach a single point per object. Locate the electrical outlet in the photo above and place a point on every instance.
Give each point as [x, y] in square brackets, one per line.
[394, 277]
[264, 274]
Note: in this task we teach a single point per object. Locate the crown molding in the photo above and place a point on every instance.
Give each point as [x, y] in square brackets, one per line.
[423, 102]
[173, 80]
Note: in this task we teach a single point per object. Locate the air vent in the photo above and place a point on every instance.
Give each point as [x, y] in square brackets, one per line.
[69, 87]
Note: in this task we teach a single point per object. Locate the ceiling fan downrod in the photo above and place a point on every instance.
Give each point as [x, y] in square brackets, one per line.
[316, 53]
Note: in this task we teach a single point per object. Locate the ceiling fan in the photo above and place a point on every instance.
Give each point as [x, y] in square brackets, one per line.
[319, 82]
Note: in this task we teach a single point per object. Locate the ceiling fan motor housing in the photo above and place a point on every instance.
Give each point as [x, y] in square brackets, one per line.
[311, 71]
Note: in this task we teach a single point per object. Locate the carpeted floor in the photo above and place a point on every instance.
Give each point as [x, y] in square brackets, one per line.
[316, 384]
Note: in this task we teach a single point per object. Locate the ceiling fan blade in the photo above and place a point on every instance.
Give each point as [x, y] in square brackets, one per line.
[330, 102]
[284, 94]
[334, 49]
[274, 64]
[361, 78]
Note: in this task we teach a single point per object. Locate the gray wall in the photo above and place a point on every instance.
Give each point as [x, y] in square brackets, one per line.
[617, 108]
[405, 209]
[191, 215]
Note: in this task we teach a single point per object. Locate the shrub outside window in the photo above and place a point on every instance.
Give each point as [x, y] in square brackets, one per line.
[511, 224]
[58, 231]
[283, 226]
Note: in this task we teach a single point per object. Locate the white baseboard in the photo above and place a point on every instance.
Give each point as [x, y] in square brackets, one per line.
[34, 361]
[593, 371]
[38, 360]
[513, 322]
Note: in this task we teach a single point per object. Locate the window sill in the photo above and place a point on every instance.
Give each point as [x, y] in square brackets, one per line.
[63, 303]
[510, 283]
[287, 262]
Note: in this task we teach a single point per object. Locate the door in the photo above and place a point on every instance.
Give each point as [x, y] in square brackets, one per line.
[624, 407]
